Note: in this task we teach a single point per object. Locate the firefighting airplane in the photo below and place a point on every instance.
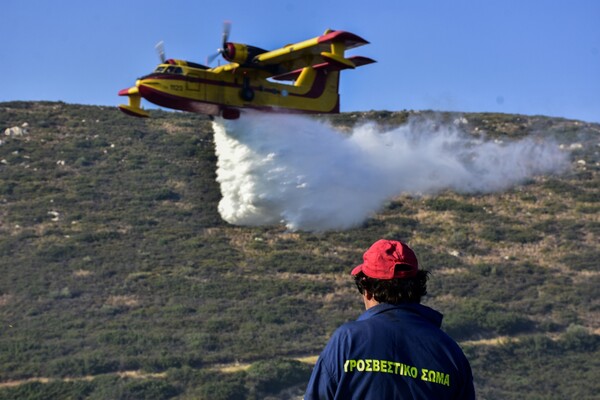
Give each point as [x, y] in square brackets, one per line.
[310, 70]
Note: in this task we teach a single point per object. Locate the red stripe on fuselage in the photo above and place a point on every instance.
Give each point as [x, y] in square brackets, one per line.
[177, 102]
[316, 90]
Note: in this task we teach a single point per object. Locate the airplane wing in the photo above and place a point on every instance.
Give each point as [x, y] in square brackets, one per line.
[328, 48]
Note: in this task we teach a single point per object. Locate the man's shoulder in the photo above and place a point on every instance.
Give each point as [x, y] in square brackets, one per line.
[349, 328]
[405, 322]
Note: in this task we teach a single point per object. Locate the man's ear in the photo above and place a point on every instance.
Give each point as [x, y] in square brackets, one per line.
[368, 295]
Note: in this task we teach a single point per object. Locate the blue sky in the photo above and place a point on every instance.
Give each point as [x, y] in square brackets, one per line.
[528, 57]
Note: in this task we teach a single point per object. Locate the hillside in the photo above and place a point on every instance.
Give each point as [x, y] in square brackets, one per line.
[119, 279]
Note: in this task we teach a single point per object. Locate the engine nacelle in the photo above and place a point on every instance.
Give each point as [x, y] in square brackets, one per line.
[241, 53]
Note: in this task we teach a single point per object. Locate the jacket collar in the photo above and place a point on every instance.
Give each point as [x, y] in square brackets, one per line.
[425, 312]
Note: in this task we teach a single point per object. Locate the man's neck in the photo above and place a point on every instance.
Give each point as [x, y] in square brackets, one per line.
[369, 302]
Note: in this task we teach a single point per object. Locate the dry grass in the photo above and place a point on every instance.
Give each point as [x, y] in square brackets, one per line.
[123, 301]
[82, 273]
[451, 271]
[15, 383]
[312, 360]
[231, 368]
[86, 378]
[141, 375]
[5, 299]
[497, 341]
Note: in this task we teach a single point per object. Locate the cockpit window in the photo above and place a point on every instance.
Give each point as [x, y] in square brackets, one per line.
[159, 69]
[174, 70]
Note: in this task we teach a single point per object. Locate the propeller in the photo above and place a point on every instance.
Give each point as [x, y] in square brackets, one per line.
[160, 49]
[225, 38]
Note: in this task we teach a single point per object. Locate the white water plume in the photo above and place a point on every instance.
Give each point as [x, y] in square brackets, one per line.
[307, 175]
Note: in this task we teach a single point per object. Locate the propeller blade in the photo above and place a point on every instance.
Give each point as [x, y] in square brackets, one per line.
[160, 48]
[210, 59]
[226, 32]
[224, 39]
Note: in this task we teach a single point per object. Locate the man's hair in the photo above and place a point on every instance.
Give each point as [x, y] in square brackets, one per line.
[394, 291]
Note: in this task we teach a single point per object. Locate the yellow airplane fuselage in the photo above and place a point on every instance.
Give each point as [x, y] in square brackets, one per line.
[253, 79]
[211, 91]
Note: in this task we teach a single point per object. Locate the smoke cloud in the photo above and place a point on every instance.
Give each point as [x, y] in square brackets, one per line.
[293, 170]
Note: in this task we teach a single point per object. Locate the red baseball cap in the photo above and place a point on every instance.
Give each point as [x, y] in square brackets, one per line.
[383, 256]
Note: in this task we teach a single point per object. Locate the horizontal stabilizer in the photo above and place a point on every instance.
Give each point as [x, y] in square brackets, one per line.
[349, 40]
[338, 60]
[288, 76]
[331, 65]
[359, 61]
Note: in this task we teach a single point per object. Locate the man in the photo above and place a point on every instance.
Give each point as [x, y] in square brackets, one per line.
[396, 349]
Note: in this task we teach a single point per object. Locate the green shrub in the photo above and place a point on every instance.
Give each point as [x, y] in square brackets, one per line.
[150, 389]
[52, 390]
[271, 376]
[585, 259]
[441, 203]
[472, 318]
[578, 338]
[222, 391]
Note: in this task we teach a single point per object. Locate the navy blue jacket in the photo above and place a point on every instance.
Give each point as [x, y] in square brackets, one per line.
[392, 352]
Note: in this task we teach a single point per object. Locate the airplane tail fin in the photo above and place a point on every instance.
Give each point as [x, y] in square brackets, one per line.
[317, 85]
[320, 82]
[320, 88]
